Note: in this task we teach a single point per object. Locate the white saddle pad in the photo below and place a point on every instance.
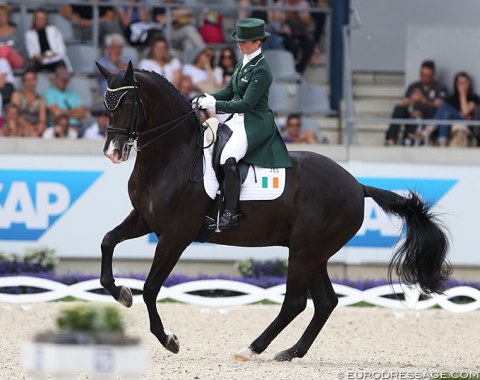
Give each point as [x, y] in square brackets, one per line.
[260, 184]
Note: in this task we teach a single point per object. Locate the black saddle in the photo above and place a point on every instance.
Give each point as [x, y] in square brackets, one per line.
[223, 135]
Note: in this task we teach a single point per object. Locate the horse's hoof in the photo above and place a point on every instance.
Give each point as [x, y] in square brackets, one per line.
[244, 355]
[285, 356]
[125, 298]
[172, 344]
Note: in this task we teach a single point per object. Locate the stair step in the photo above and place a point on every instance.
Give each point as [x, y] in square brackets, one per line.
[378, 78]
[378, 91]
[377, 106]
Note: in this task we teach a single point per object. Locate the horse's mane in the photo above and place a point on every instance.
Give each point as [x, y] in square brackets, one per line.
[162, 81]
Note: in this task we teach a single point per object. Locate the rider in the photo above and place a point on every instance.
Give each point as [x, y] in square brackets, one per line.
[255, 137]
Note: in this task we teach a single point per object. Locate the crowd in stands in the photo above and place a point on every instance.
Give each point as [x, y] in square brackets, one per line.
[429, 99]
[197, 57]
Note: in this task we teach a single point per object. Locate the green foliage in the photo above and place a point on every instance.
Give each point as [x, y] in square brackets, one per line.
[42, 256]
[87, 318]
[257, 269]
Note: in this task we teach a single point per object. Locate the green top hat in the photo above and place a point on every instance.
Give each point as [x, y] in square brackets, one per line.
[250, 29]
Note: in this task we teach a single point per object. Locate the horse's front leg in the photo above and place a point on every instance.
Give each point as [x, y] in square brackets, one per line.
[167, 253]
[132, 227]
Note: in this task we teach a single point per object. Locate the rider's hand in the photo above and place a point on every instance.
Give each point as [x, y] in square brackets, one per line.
[207, 101]
[195, 102]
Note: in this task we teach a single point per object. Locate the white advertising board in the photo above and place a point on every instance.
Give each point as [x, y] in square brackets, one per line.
[68, 203]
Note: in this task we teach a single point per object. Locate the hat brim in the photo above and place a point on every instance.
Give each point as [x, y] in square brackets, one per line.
[264, 37]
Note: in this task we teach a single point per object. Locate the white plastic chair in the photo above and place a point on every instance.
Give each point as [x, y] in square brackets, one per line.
[282, 65]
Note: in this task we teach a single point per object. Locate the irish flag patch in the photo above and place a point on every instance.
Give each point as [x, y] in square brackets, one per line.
[270, 182]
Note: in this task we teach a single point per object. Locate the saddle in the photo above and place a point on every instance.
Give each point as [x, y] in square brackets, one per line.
[219, 134]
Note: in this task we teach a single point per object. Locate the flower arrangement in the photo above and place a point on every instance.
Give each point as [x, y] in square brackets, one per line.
[88, 324]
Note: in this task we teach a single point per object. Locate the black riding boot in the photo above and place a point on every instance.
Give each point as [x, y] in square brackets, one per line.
[229, 217]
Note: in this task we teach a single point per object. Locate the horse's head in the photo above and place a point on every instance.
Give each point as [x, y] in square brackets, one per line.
[124, 112]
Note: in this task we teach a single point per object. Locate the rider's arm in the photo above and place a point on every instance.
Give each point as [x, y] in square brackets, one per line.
[259, 83]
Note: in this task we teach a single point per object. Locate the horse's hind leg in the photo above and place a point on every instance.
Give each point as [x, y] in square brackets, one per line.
[324, 300]
[132, 227]
[294, 303]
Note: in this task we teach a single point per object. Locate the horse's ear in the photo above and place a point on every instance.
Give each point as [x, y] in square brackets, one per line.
[103, 70]
[128, 75]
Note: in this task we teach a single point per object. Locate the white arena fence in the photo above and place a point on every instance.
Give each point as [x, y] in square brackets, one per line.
[413, 299]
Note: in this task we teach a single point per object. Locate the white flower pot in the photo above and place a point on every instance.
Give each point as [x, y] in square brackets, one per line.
[68, 360]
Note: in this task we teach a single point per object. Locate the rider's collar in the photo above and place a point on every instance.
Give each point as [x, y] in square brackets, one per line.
[248, 57]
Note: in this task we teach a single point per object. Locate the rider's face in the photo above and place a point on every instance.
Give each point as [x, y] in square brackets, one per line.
[248, 47]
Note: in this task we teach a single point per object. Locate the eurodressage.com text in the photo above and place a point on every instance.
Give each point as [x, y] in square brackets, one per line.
[404, 375]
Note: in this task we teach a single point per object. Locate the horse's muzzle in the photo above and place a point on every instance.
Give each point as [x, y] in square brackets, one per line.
[116, 152]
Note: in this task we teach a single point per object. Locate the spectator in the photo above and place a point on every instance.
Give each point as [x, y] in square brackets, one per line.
[275, 41]
[211, 29]
[31, 105]
[295, 27]
[81, 17]
[59, 100]
[227, 62]
[14, 124]
[61, 129]
[45, 45]
[201, 72]
[7, 81]
[320, 19]
[98, 130]
[184, 33]
[160, 60]
[459, 106]
[421, 101]
[134, 21]
[186, 87]
[112, 58]
[294, 133]
[12, 44]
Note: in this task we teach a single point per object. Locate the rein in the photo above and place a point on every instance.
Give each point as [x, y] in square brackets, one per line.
[112, 99]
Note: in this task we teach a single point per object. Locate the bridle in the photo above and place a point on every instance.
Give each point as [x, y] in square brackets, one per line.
[112, 99]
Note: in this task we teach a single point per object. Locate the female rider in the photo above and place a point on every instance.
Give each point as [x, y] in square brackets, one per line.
[255, 137]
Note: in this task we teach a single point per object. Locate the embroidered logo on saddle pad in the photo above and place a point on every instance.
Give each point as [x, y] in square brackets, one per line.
[260, 184]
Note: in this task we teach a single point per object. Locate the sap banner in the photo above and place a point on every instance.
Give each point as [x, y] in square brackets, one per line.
[68, 203]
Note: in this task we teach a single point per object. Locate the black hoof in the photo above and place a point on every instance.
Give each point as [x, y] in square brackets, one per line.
[125, 298]
[172, 344]
[286, 356]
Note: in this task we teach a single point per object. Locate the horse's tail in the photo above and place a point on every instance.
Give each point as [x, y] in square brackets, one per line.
[421, 257]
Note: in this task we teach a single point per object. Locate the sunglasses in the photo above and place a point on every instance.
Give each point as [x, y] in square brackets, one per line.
[227, 56]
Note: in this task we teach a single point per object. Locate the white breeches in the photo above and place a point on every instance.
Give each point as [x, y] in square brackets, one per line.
[237, 145]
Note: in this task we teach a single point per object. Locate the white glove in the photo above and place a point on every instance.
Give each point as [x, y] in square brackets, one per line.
[207, 101]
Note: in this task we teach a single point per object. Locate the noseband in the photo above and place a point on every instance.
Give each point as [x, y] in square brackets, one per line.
[112, 99]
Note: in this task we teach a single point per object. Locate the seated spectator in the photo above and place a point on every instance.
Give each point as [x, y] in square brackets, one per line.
[459, 106]
[12, 44]
[421, 101]
[275, 41]
[81, 17]
[295, 27]
[60, 101]
[227, 62]
[45, 45]
[320, 19]
[294, 134]
[61, 129]
[201, 72]
[137, 29]
[7, 81]
[211, 29]
[13, 124]
[32, 106]
[98, 130]
[186, 87]
[160, 60]
[184, 33]
[112, 58]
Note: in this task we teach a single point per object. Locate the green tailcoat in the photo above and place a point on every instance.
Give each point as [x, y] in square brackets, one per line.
[247, 93]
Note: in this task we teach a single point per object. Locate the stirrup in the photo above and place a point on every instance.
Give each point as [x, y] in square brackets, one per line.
[227, 220]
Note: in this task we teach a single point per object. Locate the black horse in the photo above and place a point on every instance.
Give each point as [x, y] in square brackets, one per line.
[320, 210]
